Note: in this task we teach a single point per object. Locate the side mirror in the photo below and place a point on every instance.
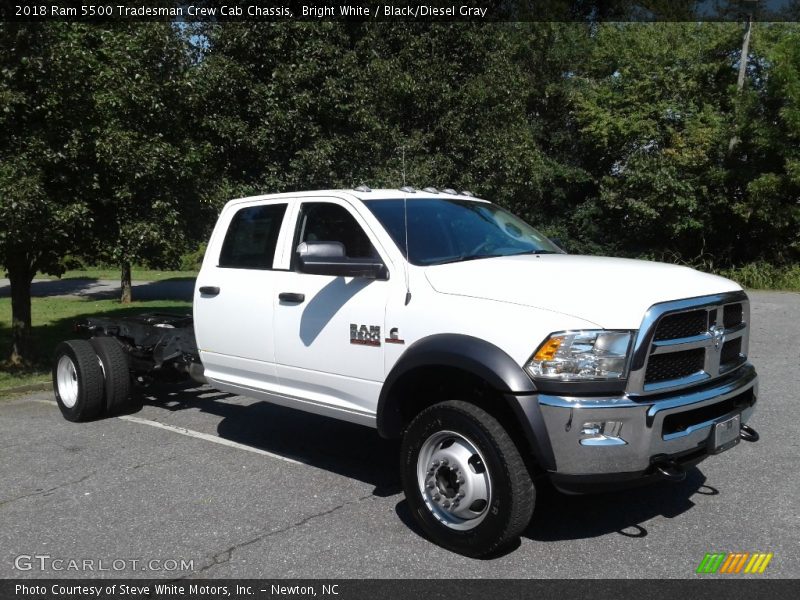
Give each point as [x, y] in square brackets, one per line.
[329, 258]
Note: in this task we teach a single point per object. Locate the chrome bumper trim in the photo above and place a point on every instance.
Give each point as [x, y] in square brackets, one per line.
[637, 422]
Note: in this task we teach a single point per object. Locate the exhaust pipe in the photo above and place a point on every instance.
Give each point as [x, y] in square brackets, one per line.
[748, 434]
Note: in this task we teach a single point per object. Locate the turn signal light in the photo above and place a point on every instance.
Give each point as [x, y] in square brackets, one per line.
[549, 349]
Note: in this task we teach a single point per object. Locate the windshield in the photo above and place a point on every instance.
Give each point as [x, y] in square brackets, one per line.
[442, 230]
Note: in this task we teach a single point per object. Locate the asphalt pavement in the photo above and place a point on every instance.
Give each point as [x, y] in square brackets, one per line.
[240, 488]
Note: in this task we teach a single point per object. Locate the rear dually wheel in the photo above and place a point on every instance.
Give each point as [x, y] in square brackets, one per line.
[78, 381]
[116, 374]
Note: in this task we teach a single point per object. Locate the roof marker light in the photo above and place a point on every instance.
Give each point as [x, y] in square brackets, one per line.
[363, 188]
[408, 189]
[450, 191]
[467, 193]
[430, 190]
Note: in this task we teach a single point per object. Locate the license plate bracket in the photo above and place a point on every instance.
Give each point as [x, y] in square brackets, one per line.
[725, 434]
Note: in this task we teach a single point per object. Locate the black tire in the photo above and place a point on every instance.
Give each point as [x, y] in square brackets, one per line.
[512, 498]
[78, 381]
[116, 373]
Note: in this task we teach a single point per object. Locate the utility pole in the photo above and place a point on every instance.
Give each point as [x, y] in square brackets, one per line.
[743, 58]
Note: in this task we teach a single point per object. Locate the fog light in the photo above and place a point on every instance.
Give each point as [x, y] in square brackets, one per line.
[602, 433]
[592, 428]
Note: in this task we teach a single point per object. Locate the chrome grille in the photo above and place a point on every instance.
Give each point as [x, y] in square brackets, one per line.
[732, 315]
[687, 342]
[731, 353]
[685, 324]
[675, 365]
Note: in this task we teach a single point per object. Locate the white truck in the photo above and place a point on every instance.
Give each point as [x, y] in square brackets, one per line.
[443, 319]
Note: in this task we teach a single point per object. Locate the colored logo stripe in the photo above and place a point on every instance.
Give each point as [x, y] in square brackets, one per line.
[723, 562]
[735, 562]
[711, 562]
[758, 563]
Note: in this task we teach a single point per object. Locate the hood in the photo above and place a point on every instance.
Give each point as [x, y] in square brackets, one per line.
[612, 293]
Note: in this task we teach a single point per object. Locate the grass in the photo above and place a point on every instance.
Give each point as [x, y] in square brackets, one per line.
[763, 276]
[53, 319]
[137, 274]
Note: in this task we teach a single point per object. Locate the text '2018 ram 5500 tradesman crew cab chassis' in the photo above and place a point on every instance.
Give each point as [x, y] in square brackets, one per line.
[445, 320]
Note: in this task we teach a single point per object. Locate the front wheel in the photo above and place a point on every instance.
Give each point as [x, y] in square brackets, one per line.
[464, 479]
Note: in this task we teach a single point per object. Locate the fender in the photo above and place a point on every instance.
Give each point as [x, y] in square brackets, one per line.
[483, 359]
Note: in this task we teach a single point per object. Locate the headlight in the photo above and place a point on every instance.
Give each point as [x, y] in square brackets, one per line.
[581, 356]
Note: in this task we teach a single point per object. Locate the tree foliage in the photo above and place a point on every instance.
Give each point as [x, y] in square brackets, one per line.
[146, 164]
[43, 189]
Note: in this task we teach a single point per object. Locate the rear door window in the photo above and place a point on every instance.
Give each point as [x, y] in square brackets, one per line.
[252, 237]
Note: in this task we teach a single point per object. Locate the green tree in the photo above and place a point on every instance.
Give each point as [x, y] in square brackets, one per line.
[44, 197]
[654, 105]
[292, 106]
[764, 170]
[147, 169]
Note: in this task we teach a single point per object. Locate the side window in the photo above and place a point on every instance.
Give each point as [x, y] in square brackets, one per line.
[327, 222]
[252, 236]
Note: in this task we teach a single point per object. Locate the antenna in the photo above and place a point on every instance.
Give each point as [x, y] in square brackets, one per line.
[406, 190]
[405, 228]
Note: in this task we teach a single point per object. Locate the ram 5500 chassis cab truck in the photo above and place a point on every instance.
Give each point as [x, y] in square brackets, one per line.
[444, 320]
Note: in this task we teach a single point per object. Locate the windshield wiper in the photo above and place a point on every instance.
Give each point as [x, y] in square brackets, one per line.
[534, 252]
[463, 258]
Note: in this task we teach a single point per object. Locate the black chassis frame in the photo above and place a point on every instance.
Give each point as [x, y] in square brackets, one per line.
[159, 345]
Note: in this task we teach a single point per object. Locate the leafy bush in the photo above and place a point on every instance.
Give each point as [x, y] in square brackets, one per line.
[191, 261]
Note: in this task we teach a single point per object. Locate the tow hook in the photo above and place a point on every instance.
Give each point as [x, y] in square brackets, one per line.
[748, 434]
[668, 468]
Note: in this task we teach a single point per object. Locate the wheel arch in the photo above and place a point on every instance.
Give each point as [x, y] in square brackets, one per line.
[467, 364]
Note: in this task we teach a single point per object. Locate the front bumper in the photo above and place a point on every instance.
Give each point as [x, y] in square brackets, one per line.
[599, 442]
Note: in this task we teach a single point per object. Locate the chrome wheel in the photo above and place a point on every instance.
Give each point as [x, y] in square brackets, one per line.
[67, 381]
[454, 480]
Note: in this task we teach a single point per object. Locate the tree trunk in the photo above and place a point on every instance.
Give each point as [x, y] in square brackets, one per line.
[125, 280]
[21, 342]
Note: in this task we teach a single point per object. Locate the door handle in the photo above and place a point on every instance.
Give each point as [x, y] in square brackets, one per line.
[209, 290]
[291, 297]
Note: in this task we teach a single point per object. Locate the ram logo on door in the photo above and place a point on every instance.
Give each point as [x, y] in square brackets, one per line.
[365, 335]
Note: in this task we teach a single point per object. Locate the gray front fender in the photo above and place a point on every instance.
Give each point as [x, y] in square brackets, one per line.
[482, 359]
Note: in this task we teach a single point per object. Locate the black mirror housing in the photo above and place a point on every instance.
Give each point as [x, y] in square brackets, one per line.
[321, 250]
[328, 258]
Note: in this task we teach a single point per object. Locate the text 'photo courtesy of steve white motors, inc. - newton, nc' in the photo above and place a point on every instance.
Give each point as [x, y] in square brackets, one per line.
[243, 10]
[147, 589]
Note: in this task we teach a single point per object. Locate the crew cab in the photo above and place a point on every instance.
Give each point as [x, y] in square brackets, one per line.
[442, 319]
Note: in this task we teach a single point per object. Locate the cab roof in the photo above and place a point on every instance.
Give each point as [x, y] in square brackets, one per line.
[367, 194]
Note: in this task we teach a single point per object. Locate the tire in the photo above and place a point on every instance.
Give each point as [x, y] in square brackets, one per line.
[454, 453]
[78, 381]
[116, 374]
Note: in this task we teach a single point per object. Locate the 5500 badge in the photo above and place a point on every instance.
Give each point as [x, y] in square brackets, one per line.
[365, 335]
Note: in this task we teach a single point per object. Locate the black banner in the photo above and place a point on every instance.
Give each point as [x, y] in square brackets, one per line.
[395, 10]
[388, 589]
